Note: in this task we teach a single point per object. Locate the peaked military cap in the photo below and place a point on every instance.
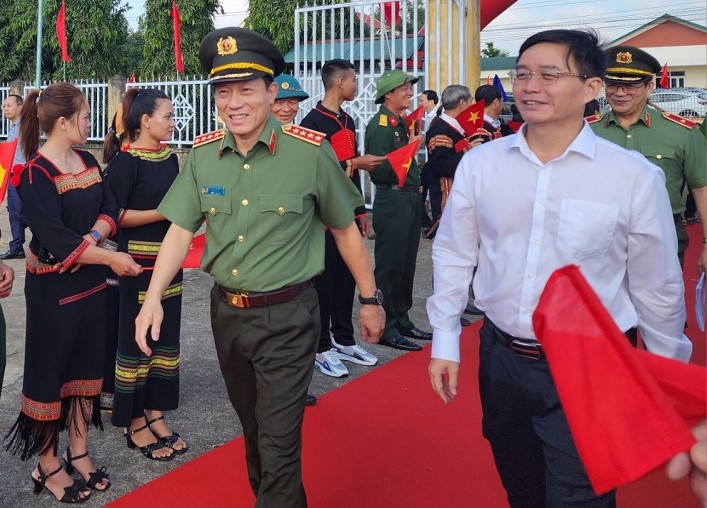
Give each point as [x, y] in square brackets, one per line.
[390, 80]
[629, 64]
[289, 88]
[239, 54]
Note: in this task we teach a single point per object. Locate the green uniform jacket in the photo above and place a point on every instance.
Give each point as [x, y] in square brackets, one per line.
[265, 212]
[679, 150]
[385, 133]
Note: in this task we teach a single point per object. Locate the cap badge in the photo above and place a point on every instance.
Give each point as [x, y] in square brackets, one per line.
[285, 86]
[226, 46]
[624, 57]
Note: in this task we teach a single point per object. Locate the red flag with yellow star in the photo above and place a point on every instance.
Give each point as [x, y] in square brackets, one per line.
[401, 160]
[472, 118]
[7, 156]
[414, 121]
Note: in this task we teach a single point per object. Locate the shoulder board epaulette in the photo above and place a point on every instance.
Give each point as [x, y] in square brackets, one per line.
[308, 135]
[382, 120]
[593, 118]
[688, 124]
[208, 138]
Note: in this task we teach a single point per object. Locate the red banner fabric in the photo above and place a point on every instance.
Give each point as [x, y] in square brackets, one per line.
[61, 32]
[414, 121]
[7, 156]
[401, 159]
[664, 78]
[177, 25]
[391, 13]
[629, 411]
[472, 118]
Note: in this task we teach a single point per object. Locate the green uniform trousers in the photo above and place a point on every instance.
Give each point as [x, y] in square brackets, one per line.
[396, 221]
[3, 348]
[266, 356]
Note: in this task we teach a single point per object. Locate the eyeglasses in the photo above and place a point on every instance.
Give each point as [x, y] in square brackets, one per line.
[629, 89]
[545, 77]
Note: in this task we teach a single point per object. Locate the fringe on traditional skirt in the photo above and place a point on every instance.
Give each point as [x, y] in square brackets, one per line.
[29, 436]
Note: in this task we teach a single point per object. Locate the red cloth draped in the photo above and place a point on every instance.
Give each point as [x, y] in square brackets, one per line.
[61, 32]
[177, 25]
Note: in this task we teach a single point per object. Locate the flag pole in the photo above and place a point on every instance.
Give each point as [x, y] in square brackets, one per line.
[38, 67]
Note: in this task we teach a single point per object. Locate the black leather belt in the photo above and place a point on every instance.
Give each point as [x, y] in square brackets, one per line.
[401, 188]
[525, 348]
[245, 300]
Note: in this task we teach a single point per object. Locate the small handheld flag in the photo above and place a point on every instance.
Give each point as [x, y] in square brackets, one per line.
[401, 160]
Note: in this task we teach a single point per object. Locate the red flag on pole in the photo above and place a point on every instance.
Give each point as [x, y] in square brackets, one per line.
[401, 160]
[414, 121]
[177, 25]
[472, 118]
[61, 32]
[131, 79]
[391, 13]
[664, 79]
[629, 410]
[7, 156]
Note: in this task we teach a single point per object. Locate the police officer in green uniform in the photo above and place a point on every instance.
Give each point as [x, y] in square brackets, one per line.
[667, 140]
[267, 191]
[396, 211]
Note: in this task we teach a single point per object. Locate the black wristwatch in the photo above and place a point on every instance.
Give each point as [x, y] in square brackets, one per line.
[376, 299]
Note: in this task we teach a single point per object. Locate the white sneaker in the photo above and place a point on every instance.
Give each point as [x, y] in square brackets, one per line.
[355, 354]
[328, 363]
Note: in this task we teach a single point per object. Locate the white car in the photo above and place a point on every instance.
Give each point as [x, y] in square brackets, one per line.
[685, 103]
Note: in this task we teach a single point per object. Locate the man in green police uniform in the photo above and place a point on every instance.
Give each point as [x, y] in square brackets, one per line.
[396, 210]
[267, 190]
[667, 140]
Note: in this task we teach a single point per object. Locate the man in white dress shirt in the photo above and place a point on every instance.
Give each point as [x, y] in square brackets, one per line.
[522, 207]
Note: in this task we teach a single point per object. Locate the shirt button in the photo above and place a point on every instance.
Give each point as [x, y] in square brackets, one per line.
[246, 166]
[234, 272]
[628, 136]
[212, 210]
[244, 202]
[281, 210]
[658, 156]
[240, 238]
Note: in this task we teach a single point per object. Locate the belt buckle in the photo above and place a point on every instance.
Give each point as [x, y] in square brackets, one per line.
[239, 300]
[531, 351]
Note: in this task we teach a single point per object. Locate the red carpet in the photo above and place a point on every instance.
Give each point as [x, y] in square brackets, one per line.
[407, 449]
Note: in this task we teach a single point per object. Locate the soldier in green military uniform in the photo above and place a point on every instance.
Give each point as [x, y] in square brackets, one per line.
[667, 140]
[396, 211]
[267, 191]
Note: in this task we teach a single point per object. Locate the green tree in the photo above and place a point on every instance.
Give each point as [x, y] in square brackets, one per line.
[491, 51]
[96, 34]
[157, 29]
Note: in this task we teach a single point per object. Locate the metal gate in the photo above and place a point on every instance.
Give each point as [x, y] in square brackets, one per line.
[359, 31]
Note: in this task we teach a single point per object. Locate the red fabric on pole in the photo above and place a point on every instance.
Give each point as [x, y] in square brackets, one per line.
[472, 118]
[401, 159]
[664, 79]
[131, 79]
[7, 156]
[177, 25]
[391, 13]
[61, 32]
[414, 121]
[629, 410]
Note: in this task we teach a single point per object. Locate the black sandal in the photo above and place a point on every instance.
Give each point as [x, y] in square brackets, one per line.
[72, 493]
[148, 450]
[170, 440]
[94, 478]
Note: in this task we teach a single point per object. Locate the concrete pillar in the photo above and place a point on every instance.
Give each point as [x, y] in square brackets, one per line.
[116, 90]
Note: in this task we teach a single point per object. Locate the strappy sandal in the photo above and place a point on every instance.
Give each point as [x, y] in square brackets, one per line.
[148, 450]
[170, 440]
[72, 493]
[94, 478]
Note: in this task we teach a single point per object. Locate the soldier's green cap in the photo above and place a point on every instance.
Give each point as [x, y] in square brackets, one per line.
[289, 88]
[239, 54]
[390, 80]
[629, 64]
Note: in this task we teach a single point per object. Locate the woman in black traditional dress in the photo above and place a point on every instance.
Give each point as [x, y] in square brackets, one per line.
[139, 176]
[69, 211]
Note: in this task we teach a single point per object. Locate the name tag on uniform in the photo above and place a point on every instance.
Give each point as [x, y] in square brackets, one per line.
[213, 190]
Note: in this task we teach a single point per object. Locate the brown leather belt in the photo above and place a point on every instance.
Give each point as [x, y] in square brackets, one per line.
[525, 348]
[245, 300]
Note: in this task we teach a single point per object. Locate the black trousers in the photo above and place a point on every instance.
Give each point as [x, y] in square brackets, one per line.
[424, 186]
[529, 435]
[266, 356]
[335, 289]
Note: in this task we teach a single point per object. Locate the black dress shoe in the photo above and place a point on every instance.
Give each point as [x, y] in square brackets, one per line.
[416, 333]
[310, 400]
[464, 321]
[400, 342]
[473, 310]
[13, 255]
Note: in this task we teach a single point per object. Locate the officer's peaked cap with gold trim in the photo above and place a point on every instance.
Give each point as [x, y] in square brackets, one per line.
[239, 54]
[629, 64]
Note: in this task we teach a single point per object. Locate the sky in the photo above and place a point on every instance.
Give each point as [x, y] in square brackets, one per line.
[611, 18]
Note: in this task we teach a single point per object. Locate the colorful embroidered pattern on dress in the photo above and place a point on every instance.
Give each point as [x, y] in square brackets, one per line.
[82, 180]
[48, 411]
[151, 155]
[173, 290]
[136, 248]
[132, 372]
[79, 296]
